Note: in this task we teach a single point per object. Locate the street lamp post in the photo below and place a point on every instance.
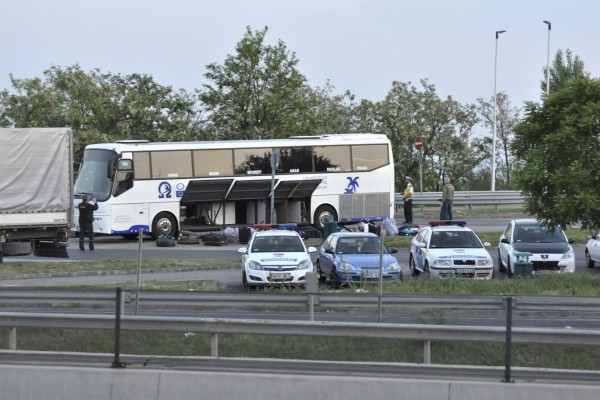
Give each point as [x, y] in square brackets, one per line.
[548, 62]
[494, 132]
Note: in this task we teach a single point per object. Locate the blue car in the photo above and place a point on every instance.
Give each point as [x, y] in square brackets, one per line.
[347, 257]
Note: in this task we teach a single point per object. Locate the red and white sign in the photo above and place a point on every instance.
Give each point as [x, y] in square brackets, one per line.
[418, 143]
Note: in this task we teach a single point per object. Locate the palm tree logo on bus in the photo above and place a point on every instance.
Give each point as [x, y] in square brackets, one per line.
[352, 185]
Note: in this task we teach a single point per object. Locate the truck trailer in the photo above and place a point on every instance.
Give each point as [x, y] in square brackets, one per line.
[36, 191]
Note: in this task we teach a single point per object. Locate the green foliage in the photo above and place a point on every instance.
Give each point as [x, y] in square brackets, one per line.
[100, 107]
[507, 118]
[257, 93]
[445, 126]
[558, 147]
[564, 69]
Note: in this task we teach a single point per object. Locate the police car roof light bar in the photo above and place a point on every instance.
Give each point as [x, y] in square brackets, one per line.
[289, 226]
[447, 222]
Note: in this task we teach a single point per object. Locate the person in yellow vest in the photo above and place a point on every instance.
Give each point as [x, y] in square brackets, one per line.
[409, 195]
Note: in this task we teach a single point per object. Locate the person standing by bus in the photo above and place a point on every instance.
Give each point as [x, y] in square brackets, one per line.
[447, 200]
[409, 195]
[86, 221]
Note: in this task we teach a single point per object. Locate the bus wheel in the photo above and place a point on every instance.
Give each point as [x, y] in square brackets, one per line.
[164, 225]
[324, 214]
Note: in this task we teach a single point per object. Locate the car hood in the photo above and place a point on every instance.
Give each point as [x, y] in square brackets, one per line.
[547, 248]
[367, 260]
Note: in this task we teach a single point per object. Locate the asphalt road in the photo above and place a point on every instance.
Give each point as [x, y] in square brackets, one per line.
[117, 248]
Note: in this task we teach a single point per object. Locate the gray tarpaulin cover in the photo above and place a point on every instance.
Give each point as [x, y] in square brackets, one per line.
[35, 164]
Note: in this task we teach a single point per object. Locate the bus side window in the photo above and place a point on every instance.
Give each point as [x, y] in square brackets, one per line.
[124, 182]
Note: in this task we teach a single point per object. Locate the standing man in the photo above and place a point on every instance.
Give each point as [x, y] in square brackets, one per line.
[447, 200]
[86, 221]
[409, 195]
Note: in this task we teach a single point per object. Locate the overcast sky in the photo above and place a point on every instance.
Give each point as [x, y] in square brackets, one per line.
[359, 45]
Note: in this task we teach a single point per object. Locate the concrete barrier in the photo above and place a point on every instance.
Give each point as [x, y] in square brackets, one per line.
[71, 383]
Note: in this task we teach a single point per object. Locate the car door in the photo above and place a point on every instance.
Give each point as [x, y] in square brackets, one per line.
[504, 248]
[326, 259]
[420, 252]
[594, 247]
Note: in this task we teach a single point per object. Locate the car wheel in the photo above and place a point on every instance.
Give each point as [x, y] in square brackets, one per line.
[426, 271]
[245, 283]
[501, 267]
[508, 268]
[320, 275]
[413, 267]
[335, 282]
[588, 260]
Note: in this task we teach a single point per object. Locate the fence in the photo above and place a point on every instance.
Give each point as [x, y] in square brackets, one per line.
[466, 198]
[424, 333]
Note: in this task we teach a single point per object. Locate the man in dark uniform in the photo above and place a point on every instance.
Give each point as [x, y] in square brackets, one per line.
[86, 221]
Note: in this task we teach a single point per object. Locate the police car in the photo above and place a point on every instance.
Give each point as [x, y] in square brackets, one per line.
[449, 249]
[275, 257]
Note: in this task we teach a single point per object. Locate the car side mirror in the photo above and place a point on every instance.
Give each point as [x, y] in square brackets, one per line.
[487, 244]
[311, 249]
[393, 251]
[328, 251]
[505, 240]
[571, 241]
[243, 250]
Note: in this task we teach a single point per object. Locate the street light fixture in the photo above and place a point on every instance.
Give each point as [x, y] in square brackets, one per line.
[548, 62]
[494, 134]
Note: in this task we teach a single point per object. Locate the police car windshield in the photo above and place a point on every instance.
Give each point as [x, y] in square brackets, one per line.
[454, 240]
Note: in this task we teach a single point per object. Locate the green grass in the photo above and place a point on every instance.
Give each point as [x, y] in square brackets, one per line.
[109, 266]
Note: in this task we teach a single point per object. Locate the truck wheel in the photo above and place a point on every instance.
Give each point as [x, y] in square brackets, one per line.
[323, 214]
[164, 225]
[16, 248]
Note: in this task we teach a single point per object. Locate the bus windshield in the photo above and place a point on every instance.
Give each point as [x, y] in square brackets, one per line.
[92, 178]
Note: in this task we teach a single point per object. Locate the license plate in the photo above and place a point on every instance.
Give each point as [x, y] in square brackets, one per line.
[465, 271]
[279, 276]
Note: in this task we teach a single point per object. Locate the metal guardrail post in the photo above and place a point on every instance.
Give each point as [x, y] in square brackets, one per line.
[12, 338]
[508, 342]
[312, 291]
[214, 345]
[116, 362]
[427, 352]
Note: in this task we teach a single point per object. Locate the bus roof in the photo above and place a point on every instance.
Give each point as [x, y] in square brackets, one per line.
[346, 138]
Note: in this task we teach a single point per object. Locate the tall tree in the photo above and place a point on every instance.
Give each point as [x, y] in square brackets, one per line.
[558, 151]
[564, 68]
[445, 126]
[326, 112]
[101, 107]
[507, 118]
[257, 92]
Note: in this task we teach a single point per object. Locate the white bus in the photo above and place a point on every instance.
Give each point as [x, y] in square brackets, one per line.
[158, 187]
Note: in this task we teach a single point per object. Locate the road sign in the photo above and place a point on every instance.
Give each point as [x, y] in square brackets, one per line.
[418, 143]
